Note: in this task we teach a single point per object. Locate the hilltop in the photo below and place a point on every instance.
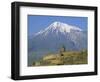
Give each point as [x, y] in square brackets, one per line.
[68, 58]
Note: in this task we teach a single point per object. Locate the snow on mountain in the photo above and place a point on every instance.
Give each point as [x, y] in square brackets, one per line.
[59, 27]
[54, 36]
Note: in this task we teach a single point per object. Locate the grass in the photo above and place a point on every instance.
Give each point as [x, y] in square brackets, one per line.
[66, 58]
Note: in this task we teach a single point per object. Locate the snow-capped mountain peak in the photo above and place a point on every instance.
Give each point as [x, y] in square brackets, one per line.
[63, 27]
[59, 27]
[56, 35]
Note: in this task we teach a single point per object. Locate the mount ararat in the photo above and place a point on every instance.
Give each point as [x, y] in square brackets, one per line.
[56, 35]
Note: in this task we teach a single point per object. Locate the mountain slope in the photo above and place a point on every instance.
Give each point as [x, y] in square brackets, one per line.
[58, 34]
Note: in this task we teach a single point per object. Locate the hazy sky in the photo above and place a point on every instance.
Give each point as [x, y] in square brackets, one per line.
[38, 22]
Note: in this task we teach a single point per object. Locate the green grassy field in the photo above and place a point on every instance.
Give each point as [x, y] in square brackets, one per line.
[64, 58]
